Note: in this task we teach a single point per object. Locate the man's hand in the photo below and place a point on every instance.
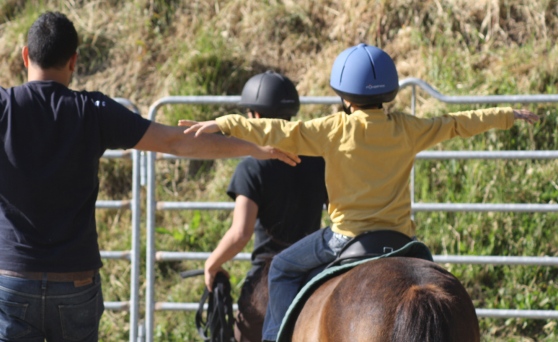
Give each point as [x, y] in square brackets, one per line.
[258, 152]
[526, 115]
[268, 152]
[199, 127]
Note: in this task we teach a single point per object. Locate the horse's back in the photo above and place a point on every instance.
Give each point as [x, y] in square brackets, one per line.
[390, 299]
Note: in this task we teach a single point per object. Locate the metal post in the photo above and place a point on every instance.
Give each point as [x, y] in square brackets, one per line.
[150, 253]
[412, 176]
[136, 242]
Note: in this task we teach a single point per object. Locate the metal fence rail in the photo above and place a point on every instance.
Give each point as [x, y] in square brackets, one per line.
[442, 259]
[153, 256]
[133, 256]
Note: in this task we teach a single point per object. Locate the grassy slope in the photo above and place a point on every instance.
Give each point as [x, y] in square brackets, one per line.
[143, 50]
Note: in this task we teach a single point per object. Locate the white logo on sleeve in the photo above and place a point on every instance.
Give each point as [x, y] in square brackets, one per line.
[100, 103]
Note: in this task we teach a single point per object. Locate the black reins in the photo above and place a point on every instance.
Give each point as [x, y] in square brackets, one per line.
[219, 319]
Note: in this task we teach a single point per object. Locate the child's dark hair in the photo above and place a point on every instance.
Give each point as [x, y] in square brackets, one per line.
[52, 40]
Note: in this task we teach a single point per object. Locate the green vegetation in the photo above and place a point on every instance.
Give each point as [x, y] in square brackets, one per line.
[143, 50]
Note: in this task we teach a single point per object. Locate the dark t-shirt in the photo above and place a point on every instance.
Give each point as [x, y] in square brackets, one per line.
[290, 200]
[51, 140]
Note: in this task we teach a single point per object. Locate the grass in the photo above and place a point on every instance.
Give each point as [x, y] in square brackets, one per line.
[143, 50]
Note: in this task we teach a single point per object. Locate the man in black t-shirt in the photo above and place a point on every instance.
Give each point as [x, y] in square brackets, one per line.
[51, 140]
[277, 203]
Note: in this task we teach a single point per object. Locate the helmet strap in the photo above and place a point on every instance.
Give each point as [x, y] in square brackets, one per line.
[346, 109]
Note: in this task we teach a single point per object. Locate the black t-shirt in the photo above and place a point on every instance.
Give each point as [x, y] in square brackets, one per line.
[51, 140]
[290, 200]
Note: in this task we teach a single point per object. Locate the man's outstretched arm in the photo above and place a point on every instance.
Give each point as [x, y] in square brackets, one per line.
[168, 139]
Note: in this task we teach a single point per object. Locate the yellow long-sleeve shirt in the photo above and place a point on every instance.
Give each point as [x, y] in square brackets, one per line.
[368, 156]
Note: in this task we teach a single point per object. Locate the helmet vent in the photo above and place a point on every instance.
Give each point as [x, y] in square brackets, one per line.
[259, 88]
[372, 67]
[344, 65]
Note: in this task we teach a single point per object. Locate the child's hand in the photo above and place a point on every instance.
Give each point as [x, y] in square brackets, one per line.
[199, 127]
[526, 115]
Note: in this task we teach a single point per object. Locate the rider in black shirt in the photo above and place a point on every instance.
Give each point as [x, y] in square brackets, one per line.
[275, 202]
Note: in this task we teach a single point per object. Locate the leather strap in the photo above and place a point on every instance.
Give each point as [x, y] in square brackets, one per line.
[219, 322]
[52, 276]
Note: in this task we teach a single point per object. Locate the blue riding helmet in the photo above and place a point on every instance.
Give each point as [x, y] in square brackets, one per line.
[272, 95]
[364, 75]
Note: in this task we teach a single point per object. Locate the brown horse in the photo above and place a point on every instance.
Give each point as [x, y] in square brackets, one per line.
[389, 299]
[252, 305]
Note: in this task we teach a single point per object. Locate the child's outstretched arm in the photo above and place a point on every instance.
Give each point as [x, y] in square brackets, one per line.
[429, 132]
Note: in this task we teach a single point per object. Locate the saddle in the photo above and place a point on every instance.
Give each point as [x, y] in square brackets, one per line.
[370, 244]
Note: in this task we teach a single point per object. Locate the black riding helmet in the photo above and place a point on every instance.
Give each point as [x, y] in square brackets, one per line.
[272, 95]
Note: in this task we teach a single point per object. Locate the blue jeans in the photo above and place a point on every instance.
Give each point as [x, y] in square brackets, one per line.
[35, 310]
[290, 268]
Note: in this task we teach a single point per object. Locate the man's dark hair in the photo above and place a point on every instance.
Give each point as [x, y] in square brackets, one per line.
[52, 40]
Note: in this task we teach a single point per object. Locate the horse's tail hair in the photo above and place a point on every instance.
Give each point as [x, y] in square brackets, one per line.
[424, 314]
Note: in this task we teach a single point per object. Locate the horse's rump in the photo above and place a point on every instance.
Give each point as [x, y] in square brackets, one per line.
[438, 309]
[390, 299]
